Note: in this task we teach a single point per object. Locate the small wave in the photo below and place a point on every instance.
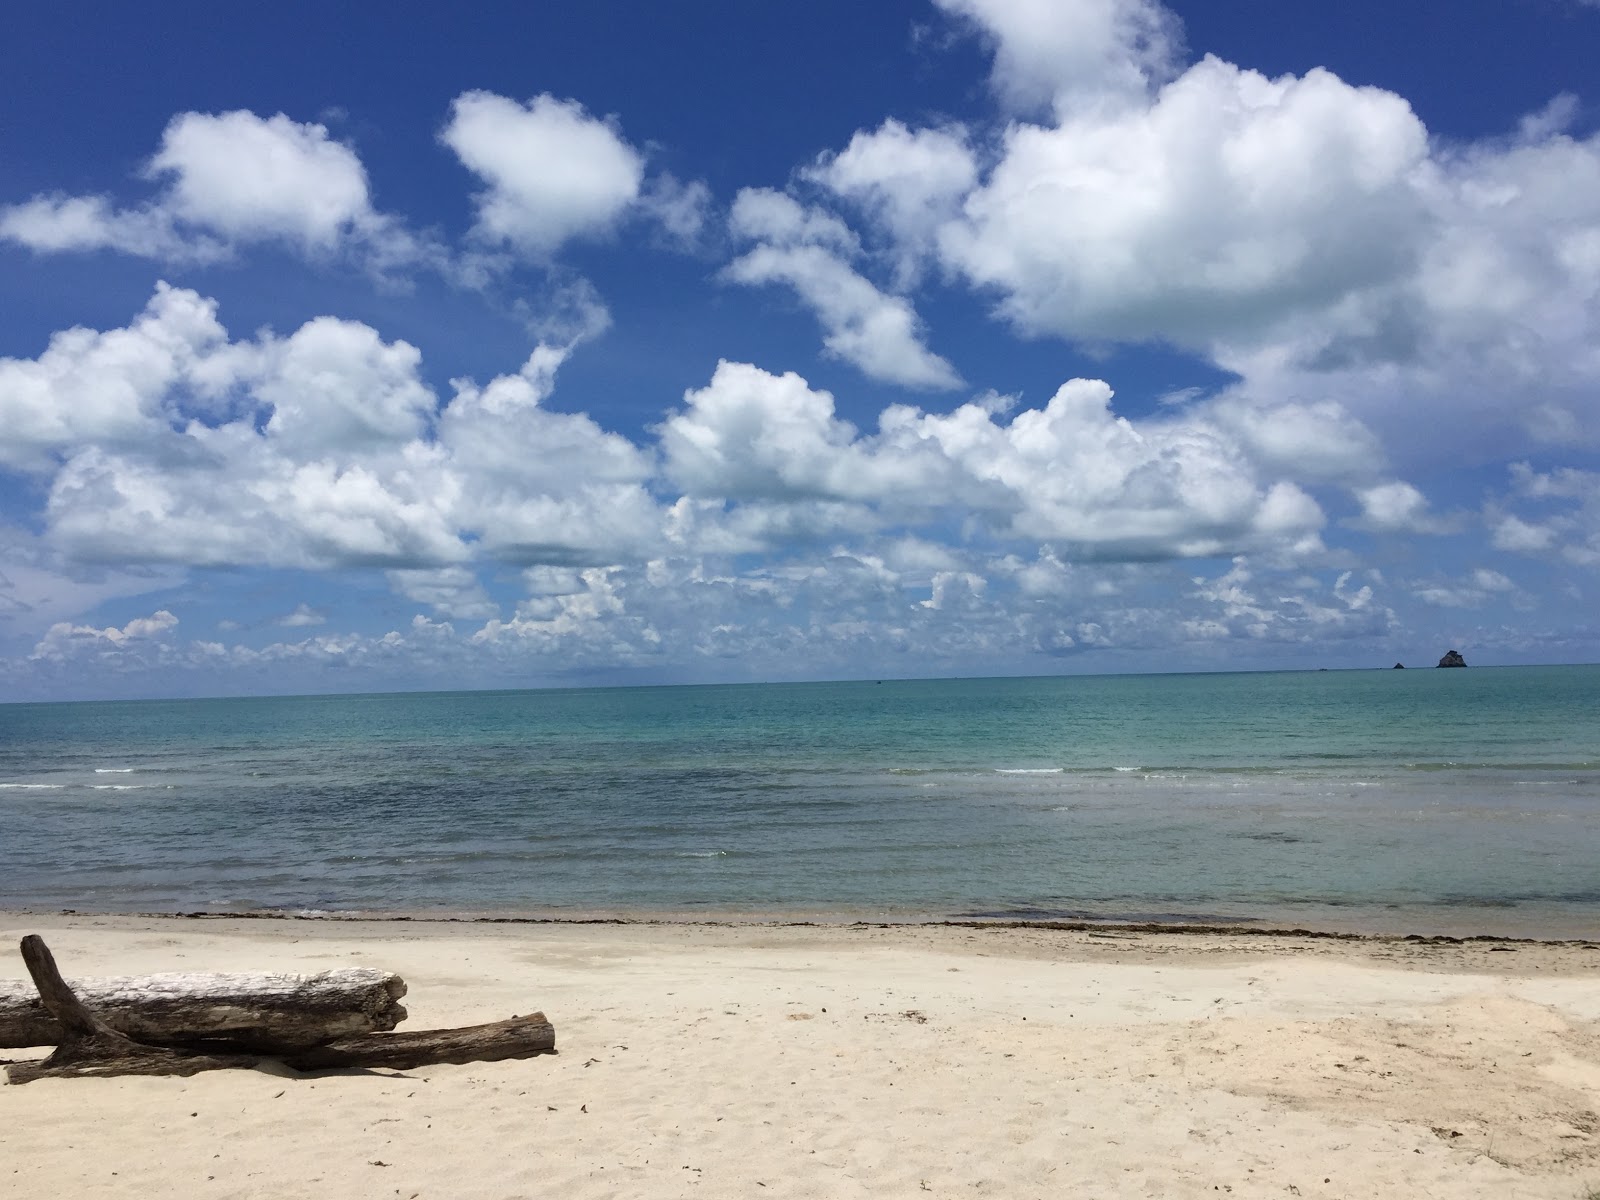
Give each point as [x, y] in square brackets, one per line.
[122, 787]
[1027, 770]
[33, 787]
[1125, 769]
[701, 854]
[113, 770]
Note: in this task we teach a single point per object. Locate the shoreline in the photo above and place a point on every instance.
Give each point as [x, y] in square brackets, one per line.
[1582, 931]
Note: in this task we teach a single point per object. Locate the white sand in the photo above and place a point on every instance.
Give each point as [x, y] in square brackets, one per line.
[836, 1062]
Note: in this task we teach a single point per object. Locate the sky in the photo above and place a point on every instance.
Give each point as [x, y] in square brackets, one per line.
[626, 343]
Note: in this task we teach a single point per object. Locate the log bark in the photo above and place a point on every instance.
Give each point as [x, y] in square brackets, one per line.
[262, 1012]
[88, 1045]
[519, 1037]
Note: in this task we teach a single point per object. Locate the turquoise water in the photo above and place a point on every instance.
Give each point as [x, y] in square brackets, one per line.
[1423, 799]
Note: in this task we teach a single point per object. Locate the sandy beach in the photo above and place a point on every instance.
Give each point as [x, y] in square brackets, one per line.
[834, 1061]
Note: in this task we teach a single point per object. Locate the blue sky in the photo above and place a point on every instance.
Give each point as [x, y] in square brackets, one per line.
[354, 350]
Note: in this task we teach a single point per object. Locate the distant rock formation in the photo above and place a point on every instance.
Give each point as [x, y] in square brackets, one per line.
[1402, 666]
[1453, 659]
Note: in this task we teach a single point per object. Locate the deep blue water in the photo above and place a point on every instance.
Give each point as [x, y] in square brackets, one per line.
[1426, 799]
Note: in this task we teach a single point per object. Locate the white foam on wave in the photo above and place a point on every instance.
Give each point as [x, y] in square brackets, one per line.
[1125, 769]
[122, 787]
[33, 787]
[1028, 770]
[113, 770]
[701, 854]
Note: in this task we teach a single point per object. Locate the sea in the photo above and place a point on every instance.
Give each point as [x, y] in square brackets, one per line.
[1420, 801]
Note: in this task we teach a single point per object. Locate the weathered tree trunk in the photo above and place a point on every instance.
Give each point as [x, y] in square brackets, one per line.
[519, 1037]
[88, 1045]
[262, 1012]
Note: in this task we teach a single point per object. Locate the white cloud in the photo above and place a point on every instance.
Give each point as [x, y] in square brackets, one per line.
[1072, 472]
[230, 179]
[448, 591]
[321, 448]
[1236, 608]
[250, 179]
[107, 388]
[1299, 232]
[1566, 517]
[553, 172]
[541, 486]
[302, 616]
[325, 447]
[682, 209]
[1492, 581]
[1398, 507]
[1477, 588]
[877, 333]
[1316, 442]
[763, 215]
[1523, 537]
[65, 640]
[336, 385]
[1224, 205]
[805, 249]
[753, 435]
[227, 497]
[910, 182]
[1068, 52]
[57, 224]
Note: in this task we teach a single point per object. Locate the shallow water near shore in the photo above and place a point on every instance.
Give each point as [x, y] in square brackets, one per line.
[1422, 800]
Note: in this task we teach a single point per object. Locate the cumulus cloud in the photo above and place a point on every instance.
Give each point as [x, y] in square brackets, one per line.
[1072, 472]
[327, 447]
[541, 486]
[996, 528]
[228, 179]
[910, 182]
[448, 591]
[1065, 52]
[878, 333]
[336, 385]
[1209, 213]
[65, 640]
[551, 171]
[251, 179]
[303, 615]
[1398, 507]
[58, 223]
[765, 215]
[1474, 590]
[1561, 515]
[322, 448]
[1305, 234]
[109, 388]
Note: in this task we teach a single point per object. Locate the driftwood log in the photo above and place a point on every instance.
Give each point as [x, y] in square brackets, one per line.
[520, 1037]
[264, 1012]
[88, 1046]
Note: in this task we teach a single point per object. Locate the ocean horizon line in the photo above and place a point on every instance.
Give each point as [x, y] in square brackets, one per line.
[869, 680]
